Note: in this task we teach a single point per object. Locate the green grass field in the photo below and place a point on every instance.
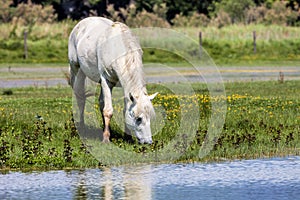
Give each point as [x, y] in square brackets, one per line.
[231, 45]
[262, 118]
[37, 130]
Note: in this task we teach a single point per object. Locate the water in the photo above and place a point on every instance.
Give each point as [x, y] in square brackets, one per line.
[277, 178]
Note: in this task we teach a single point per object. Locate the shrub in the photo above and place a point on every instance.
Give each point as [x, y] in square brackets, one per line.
[256, 14]
[26, 14]
[180, 20]
[32, 13]
[195, 20]
[235, 9]
[132, 18]
[6, 13]
[222, 19]
[7, 92]
[146, 19]
[278, 14]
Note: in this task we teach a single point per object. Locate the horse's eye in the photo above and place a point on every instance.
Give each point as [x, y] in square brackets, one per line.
[139, 120]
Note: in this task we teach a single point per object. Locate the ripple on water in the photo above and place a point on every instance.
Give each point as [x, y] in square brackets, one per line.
[277, 178]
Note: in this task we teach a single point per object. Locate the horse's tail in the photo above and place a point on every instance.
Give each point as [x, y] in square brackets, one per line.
[73, 70]
[73, 60]
[71, 77]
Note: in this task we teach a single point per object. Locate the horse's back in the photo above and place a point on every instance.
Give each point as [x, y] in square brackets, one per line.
[95, 43]
[86, 34]
[83, 41]
[90, 27]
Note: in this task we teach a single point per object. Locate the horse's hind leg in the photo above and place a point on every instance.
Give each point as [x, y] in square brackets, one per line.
[106, 108]
[79, 91]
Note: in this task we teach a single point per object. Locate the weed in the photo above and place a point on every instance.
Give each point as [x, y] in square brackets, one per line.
[31, 147]
[7, 92]
[262, 119]
[4, 153]
[67, 151]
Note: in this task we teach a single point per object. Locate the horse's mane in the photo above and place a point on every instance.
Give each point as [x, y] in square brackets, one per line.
[132, 73]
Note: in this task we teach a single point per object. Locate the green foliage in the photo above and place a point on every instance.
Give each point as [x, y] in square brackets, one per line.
[195, 20]
[94, 2]
[278, 14]
[281, 15]
[133, 18]
[233, 44]
[221, 19]
[162, 13]
[173, 7]
[32, 140]
[235, 9]
[6, 13]
[218, 13]
[262, 120]
[45, 51]
[26, 14]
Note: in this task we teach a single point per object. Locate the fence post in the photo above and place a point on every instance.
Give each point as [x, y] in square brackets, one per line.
[254, 41]
[200, 42]
[25, 45]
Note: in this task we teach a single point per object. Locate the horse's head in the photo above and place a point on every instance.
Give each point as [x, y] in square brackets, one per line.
[139, 111]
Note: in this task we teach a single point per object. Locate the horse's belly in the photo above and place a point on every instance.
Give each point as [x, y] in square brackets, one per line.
[89, 64]
[92, 73]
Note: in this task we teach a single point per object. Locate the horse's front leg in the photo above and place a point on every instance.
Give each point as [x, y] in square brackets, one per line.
[127, 136]
[105, 101]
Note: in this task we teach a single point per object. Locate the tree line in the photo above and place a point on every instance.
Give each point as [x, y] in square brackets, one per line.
[164, 12]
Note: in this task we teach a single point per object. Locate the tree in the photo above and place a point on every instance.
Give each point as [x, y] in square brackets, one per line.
[175, 7]
[235, 9]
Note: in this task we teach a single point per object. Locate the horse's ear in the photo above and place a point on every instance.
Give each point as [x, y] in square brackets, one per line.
[151, 97]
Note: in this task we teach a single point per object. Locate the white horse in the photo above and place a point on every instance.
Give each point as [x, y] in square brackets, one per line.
[108, 53]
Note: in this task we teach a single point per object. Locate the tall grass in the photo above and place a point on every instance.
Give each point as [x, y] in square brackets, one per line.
[240, 32]
[230, 45]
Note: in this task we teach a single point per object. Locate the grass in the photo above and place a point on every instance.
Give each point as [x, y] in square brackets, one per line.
[276, 45]
[232, 45]
[37, 129]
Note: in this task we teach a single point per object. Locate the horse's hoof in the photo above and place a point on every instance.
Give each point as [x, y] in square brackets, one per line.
[105, 140]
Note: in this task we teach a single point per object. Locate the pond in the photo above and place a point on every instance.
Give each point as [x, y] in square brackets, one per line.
[276, 178]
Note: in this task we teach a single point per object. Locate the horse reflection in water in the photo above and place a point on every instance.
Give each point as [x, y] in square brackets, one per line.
[107, 53]
[130, 183]
[136, 184]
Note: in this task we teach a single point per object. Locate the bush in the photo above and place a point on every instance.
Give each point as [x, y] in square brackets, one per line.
[30, 13]
[6, 13]
[133, 19]
[278, 14]
[222, 19]
[235, 9]
[195, 20]
[256, 14]
[26, 14]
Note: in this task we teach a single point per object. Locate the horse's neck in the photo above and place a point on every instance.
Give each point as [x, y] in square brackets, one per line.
[136, 90]
[131, 78]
